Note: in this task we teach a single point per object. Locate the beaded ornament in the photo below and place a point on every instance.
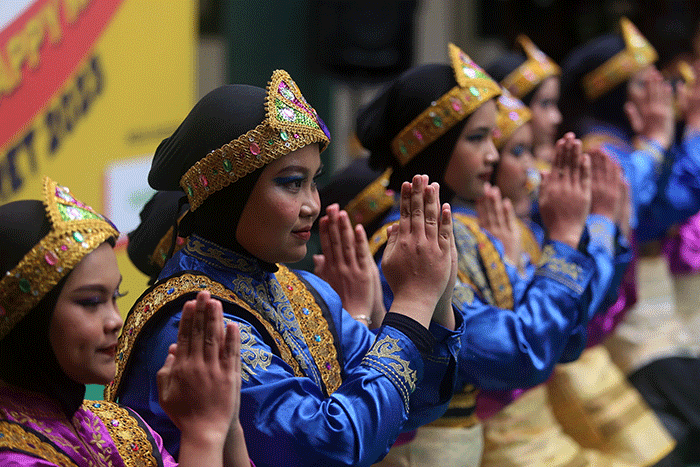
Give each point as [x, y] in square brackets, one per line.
[76, 230]
[290, 124]
[538, 67]
[637, 54]
[474, 87]
[512, 114]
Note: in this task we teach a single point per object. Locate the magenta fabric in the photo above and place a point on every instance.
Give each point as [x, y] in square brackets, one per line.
[682, 247]
[83, 439]
[603, 323]
[490, 403]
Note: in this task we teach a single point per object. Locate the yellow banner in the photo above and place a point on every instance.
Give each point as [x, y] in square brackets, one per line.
[88, 88]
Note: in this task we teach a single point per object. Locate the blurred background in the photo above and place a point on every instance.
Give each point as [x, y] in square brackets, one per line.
[89, 88]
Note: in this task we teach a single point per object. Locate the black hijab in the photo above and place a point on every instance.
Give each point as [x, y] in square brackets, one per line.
[579, 113]
[396, 106]
[218, 118]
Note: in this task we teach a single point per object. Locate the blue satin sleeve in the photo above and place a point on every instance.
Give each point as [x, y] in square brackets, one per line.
[287, 419]
[642, 169]
[678, 194]
[431, 396]
[611, 253]
[506, 349]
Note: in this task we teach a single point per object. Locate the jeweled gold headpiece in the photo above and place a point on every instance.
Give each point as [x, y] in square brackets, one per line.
[512, 114]
[474, 87]
[532, 72]
[76, 230]
[372, 201]
[290, 124]
[637, 54]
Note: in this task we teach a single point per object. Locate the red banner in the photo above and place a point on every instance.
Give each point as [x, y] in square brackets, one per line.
[40, 50]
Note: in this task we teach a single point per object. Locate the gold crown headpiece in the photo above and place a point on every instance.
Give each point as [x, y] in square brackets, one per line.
[375, 199]
[512, 114]
[76, 230]
[474, 87]
[290, 124]
[532, 72]
[637, 54]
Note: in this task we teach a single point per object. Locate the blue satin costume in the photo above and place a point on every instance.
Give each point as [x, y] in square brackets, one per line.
[663, 183]
[517, 344]
[289, 412]
[677, 190]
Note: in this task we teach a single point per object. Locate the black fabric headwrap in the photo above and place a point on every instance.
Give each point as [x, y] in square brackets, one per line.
[158, 215]
[26, 357]
[218, 118]
[396, 106]
[609, 107]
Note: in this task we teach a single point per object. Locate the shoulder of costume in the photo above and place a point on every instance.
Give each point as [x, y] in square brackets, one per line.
[162, 299]
[20, 438]
[498, 284]
[122, 423]
[305, 292]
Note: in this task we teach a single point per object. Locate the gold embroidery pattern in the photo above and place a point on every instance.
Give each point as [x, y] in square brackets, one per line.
[554, 267]
[469, 268]
[593, 141]
[396, 369]
[14, 437]
[163, 293]
[491, 259]
[511, 115]
[216, 257]
[252, 356]
[130, 439]
[314, 326]
[265, 296]
[26, 415]
[463, 294]
[529, 243]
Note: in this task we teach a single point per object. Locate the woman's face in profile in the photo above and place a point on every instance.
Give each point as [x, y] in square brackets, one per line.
[86, 322]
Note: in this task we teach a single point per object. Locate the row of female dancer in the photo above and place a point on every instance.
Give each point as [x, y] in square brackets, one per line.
[474, 302]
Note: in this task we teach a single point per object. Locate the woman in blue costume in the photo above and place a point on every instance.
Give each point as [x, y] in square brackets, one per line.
[319, 388]
[619, 102]
[521, 426]
[439, 119]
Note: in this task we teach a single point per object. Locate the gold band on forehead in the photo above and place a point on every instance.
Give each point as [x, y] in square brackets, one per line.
[76, 230]
[474, 87]
[290, 124]
[511, 115]
[637, 54]
[538, 67]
